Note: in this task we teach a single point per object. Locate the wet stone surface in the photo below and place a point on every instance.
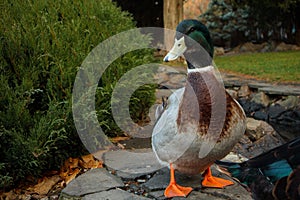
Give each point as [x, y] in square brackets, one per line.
[93, 181]
[113, 195]
[132, 164]
[107, 183]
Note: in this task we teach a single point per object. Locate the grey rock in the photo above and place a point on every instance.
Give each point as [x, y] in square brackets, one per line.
[234, 157]
[234, 192]
[249, 47]
[250, 147]
[244, 91]
[160, 181]
[159, 194]
[257, 129]
[95, 180]
[219, 51]
[162, 178]
[261, 98]
[171, 77]
[276, 111]
[196, 195]
[281, 90]
[257, 84]
[260, 115]
[113, 195]
[132, 164]
[289, 102]
[232, 93]
[285, 47]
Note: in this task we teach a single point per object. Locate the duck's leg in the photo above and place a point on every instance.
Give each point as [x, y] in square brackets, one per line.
[215, 182]
[174, 190]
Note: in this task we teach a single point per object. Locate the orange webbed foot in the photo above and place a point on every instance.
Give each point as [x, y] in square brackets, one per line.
[175, 190]
[214, 182]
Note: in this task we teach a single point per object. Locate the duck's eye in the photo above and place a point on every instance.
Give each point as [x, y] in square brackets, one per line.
[179, 45]
[191, 30]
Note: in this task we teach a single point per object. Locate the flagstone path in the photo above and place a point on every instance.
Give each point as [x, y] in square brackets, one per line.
[136, 174]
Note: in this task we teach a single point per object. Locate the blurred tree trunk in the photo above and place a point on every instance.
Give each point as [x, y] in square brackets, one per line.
[173, 14]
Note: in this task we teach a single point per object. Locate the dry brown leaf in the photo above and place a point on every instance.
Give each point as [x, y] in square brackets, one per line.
[89, 162]
[84, 165]
[64, 174]
[8, 195]
[67, 168]
[87, 158]
[45, 185]
[72, 176]
[72, 163]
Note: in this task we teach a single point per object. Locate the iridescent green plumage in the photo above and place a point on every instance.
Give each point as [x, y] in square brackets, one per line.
[198, 32]
[200, 49]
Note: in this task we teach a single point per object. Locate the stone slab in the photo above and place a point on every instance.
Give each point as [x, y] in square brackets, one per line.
[158, 195]
[132, 163]
[160, 181]
[93, 181]
[234, 192]
[232, 83]
[113, 195]
[257, 84]
[281, 90]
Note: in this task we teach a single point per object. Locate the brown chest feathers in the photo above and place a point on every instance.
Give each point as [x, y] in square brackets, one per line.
[205, 101]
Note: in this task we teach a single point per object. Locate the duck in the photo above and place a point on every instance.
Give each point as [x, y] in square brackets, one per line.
[199, 123]
[274, 174]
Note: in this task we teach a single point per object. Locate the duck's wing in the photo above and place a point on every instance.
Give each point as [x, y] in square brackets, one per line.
[167, 142]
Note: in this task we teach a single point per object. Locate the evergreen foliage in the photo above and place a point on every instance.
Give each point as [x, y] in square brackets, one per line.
[42, 45]
[235, 22]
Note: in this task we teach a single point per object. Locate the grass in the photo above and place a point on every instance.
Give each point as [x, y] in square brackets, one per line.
[270, 66]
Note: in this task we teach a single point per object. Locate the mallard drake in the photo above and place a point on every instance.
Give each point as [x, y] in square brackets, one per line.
[201, 122]
[273, 174]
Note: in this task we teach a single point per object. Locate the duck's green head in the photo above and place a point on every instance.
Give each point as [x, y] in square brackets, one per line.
[189, 34]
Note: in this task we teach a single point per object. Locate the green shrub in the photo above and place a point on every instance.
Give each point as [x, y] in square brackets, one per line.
[42, 45]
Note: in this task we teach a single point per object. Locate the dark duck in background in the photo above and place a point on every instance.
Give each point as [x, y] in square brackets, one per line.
[201, 122]
[274, 174]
